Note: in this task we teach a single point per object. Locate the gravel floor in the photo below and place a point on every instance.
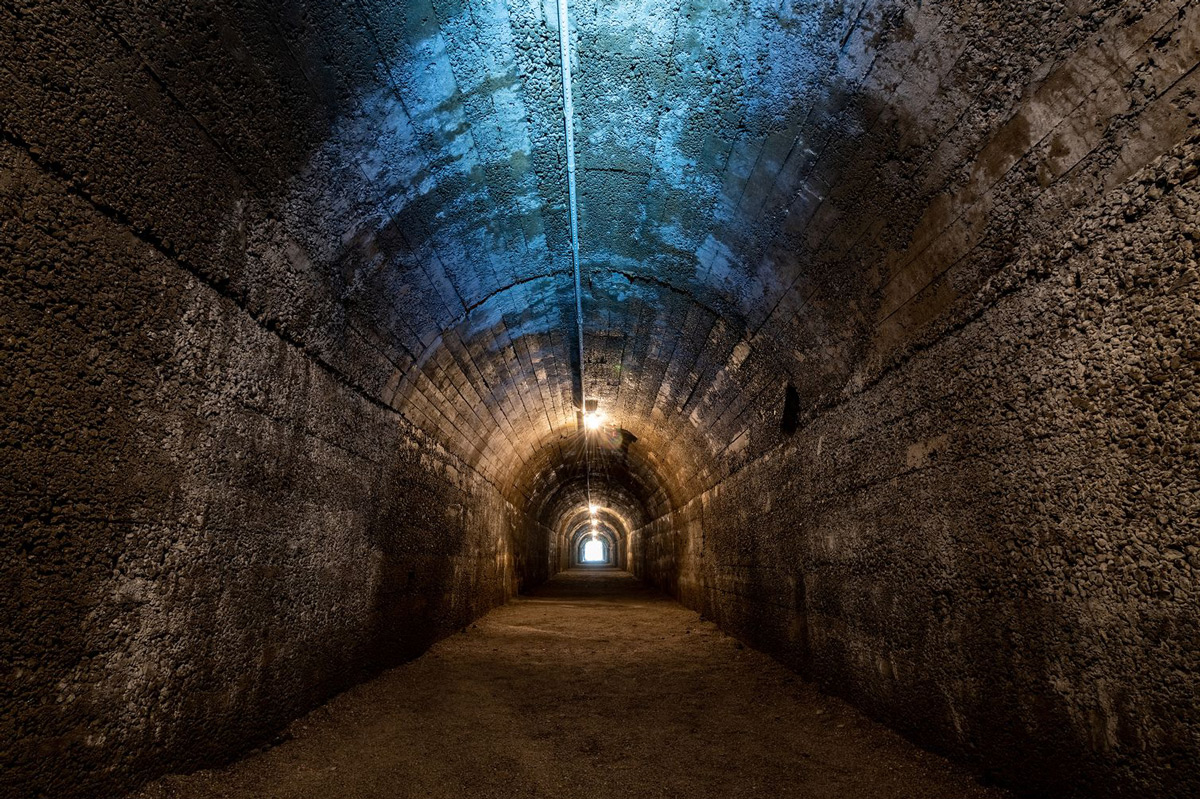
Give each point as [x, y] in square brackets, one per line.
[594, 687]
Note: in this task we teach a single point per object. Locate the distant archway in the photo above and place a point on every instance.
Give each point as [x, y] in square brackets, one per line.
[594, 551]
[594, 548]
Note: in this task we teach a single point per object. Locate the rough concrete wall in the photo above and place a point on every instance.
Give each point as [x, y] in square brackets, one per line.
[208, 532]
[214, 513]
[994, 545]
[945, 539]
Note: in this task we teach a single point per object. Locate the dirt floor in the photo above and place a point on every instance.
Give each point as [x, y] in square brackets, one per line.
[592, 687]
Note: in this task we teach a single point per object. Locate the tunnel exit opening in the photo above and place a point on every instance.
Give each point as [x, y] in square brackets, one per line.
[593, 551]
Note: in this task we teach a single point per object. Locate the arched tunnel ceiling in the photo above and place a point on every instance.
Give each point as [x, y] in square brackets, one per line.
[461, 128]
[699, 127]
[561, 483]
[757, 184]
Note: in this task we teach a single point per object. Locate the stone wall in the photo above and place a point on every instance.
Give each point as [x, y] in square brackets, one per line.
[994, 543]
[215, 513]
[212, 531]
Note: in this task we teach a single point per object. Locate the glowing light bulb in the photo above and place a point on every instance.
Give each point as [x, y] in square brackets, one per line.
[593, 508]
[593, 420]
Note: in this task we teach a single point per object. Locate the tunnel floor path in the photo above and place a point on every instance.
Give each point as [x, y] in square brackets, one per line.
[594, 686]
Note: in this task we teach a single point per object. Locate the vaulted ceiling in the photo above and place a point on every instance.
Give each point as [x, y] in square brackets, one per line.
[770, 192]
[708, 138]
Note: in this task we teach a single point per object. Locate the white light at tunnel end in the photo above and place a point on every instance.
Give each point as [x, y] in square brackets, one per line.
[593, 552]
[593, 420]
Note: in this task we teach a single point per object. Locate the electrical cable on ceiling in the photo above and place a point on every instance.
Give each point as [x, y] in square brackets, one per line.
[564, 41]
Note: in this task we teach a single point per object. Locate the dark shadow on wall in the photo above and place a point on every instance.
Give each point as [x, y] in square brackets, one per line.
[985, 564]
[217, 522]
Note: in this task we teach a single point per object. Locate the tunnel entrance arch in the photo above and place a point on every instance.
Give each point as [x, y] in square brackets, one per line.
[620, 486]
[594, 551]
[592, 547]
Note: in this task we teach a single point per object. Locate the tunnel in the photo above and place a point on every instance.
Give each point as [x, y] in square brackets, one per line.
[629, 397]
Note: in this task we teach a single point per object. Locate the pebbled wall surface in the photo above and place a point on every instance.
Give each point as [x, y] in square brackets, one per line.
[211, 532]
[213, 518]
[983, 529]
[993, 544]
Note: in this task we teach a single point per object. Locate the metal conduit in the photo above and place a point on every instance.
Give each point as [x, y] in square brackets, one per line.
[564, 41]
